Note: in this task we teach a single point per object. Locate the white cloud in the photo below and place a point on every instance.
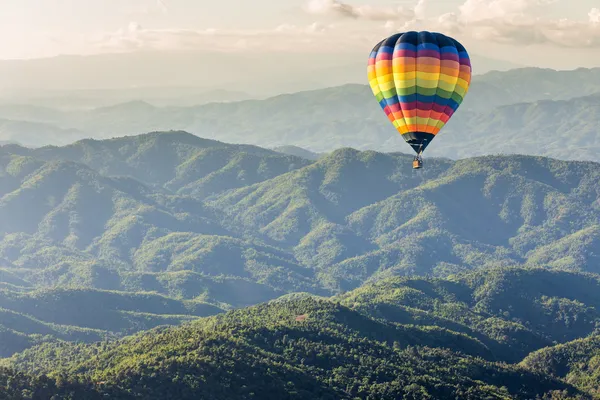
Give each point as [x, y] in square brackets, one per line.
[483, 10]
[420, 10]
[334, 7]
[518, 22]
[285, 37]
[161, 5]
[290, 28]
[134, 27]
[594, 15]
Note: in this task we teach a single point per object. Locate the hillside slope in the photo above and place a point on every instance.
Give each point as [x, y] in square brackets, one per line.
[304, 347]
[291, 225]
[577, 362]
[512, 311]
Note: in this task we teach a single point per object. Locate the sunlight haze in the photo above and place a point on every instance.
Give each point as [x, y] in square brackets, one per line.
[507, 29]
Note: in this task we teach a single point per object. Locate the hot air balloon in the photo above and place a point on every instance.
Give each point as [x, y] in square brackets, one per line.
[419, 79]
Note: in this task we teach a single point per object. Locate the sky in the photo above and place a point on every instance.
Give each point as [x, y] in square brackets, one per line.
[561, 34]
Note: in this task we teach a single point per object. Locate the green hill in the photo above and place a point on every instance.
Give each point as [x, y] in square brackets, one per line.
[400, 338]
[469, 214]
[18, 386]
[577, 362]
[512, 311]
[175, 161]
[230, 226]
[86, 315]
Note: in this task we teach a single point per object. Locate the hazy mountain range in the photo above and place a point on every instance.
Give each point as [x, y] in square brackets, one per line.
[127, 76]
[532, 111]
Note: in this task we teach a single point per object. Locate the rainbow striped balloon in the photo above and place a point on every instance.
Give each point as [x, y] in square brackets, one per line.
[419, 79]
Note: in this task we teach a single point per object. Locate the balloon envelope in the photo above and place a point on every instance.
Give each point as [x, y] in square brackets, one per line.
[419, 79]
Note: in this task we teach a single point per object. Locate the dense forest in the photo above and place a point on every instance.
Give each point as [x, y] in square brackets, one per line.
[165, 265]
[460, 337]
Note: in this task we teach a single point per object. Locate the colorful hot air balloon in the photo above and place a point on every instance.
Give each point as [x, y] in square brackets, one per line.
[419, 79]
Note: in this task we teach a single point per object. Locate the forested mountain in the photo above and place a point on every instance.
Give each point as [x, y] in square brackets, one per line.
[162, 228]
[298, 151]
[398, 338]
[27, 318]
[524, 111]
[577, 362]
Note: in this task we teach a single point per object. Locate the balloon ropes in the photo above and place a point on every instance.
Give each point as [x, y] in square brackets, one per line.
[419, 79]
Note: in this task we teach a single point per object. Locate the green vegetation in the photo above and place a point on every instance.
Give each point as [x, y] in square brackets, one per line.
[221, 226]
[512, 311]
[18, 386]
[577, 362]
[398, 338]
[470, 279]
[87, 315]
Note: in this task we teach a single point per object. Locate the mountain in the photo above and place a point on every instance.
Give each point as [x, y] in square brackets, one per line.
[355, 224]
[222, 226]
[526, 85]
[238, 271]
[421, 338]
[31, 317]
[183, 76]
[113, 233]
[36, 134]
[87, 99]
[176, 161]
[298, 151]
[512, 311]
[565, 129]
[576, 362]
[350, 216]
[528, 110]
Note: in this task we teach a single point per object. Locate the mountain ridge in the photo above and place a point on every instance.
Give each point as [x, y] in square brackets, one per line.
[301, 276]
[354, 332]
[528, 110]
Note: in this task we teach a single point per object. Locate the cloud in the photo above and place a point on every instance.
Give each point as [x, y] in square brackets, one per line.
[594, 16]
[480, 10]
[161, 5]
[313, 28]
[420, 10]
[285, 37]
[337, 8]
[145, 8]
[517, 22]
